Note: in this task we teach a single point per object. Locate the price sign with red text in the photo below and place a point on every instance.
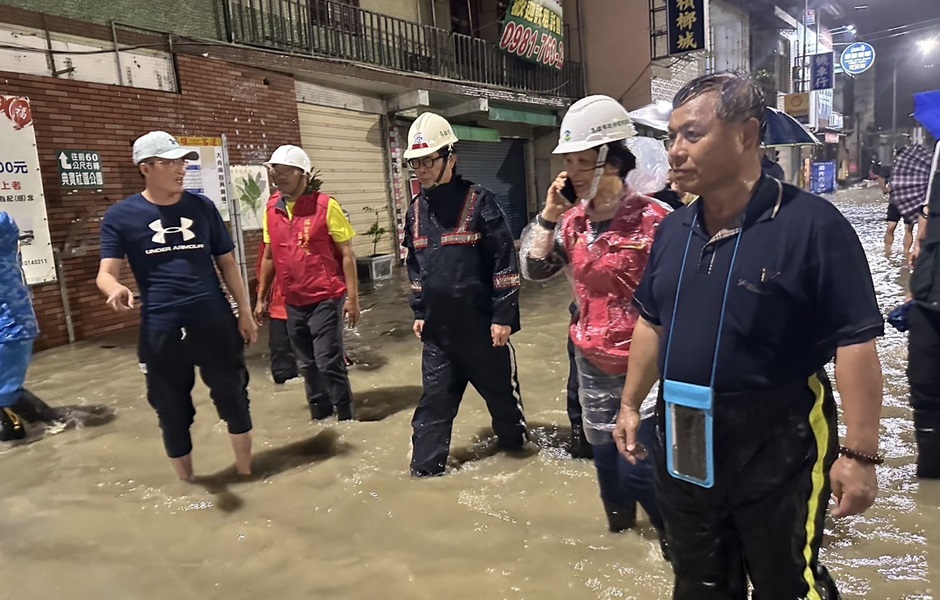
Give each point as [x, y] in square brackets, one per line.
[21, 192]
[534, 30]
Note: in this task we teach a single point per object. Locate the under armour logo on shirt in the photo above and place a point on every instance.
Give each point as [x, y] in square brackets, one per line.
[184, 229]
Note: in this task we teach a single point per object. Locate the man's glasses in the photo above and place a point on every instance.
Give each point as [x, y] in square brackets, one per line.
[167, 162]
[425, 162]
[284, 173]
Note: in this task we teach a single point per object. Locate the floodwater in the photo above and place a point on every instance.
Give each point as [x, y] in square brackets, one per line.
[95, 512]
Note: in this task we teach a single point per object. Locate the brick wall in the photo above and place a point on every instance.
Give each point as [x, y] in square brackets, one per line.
[256, 109]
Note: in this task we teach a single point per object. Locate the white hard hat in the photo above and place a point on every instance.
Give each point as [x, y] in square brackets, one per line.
[591, 122]
[428, 134]
[292, 156]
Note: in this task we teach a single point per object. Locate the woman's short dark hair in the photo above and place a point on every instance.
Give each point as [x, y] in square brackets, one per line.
[620, 157]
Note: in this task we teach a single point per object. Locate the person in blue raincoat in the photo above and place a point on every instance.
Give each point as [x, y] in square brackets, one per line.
[18, 329]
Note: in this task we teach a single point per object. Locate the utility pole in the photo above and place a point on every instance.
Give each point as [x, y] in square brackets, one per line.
[803, 78]
[894, 107]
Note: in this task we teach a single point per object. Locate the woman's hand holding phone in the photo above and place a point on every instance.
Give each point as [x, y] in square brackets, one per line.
[560, 198]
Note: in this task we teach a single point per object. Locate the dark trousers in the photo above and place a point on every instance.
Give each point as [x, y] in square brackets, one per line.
[446, 371]
[763, 519]
[923, 373]
[574, 402]
[316, 336]
[169, 358]
[622, 483]
[283, 363]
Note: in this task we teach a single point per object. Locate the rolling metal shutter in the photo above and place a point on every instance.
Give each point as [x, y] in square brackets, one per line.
[346, 146]
[501, 168]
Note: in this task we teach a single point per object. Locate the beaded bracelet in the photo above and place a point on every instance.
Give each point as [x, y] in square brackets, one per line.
[862, 457]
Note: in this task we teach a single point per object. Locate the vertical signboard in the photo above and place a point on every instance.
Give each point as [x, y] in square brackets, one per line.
[21, 193]
[823, 74]
[823, 107]
[534, 30]
[823, 177]
[206, 176]
[687, 26]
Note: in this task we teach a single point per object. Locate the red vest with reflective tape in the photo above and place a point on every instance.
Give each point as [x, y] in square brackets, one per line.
[307, 264]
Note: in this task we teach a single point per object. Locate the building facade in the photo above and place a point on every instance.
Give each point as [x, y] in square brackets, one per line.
[343, 79]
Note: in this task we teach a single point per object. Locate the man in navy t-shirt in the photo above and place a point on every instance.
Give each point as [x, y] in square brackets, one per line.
[174, 240]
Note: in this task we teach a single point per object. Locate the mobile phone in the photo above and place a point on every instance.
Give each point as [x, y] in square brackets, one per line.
[568, 191]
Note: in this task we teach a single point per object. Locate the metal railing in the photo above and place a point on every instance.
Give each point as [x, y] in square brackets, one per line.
[333, 28]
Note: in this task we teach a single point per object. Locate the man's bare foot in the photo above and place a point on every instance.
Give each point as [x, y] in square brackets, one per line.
[184, 468]
[241, 446]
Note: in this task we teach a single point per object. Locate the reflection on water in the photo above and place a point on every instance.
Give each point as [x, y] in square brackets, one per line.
[96, 513]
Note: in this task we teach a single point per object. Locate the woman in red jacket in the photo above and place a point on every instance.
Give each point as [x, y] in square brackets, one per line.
[600, 236]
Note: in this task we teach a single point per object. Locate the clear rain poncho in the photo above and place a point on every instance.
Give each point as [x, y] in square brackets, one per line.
[604, 263]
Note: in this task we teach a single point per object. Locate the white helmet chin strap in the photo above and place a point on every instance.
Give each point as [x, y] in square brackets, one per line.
[598, 172]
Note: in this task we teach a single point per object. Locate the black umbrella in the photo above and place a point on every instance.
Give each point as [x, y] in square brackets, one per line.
[784, 130]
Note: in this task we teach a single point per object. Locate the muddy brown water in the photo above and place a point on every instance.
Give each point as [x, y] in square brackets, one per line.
[95, 512]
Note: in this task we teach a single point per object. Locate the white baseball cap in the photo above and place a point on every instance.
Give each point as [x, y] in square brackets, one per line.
[160, 144]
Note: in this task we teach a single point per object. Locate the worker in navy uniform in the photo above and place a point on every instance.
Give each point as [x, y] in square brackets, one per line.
[748, 293]
[464, 279]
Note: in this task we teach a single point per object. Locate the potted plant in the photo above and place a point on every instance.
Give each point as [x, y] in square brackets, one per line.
[377, 266]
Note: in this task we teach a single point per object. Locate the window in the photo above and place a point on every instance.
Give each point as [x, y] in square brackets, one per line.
[336, 14]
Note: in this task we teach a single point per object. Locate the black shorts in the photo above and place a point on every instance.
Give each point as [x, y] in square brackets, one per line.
[169, 359]
[894, 215]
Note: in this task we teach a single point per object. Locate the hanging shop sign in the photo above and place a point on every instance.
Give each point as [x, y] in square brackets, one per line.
[534, 30]
[687, 26]
[821, 66]
[857, 58]
[823, 177]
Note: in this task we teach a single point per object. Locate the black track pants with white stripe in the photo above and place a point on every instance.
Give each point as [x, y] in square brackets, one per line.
[446, 370]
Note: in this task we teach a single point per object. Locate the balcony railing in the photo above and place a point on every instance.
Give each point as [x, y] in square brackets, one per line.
[332, 28]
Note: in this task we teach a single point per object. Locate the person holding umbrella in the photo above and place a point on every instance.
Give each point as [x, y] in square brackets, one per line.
[771, 167]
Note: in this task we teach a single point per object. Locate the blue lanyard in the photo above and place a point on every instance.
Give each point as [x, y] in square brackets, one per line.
[724, 302]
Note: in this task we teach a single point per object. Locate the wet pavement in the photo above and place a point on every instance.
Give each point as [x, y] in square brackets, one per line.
[95, 512]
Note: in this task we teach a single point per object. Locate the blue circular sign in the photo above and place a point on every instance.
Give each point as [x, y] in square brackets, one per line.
[857, 58]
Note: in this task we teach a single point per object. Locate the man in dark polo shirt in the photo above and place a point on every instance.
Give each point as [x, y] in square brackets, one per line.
[748, 293]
